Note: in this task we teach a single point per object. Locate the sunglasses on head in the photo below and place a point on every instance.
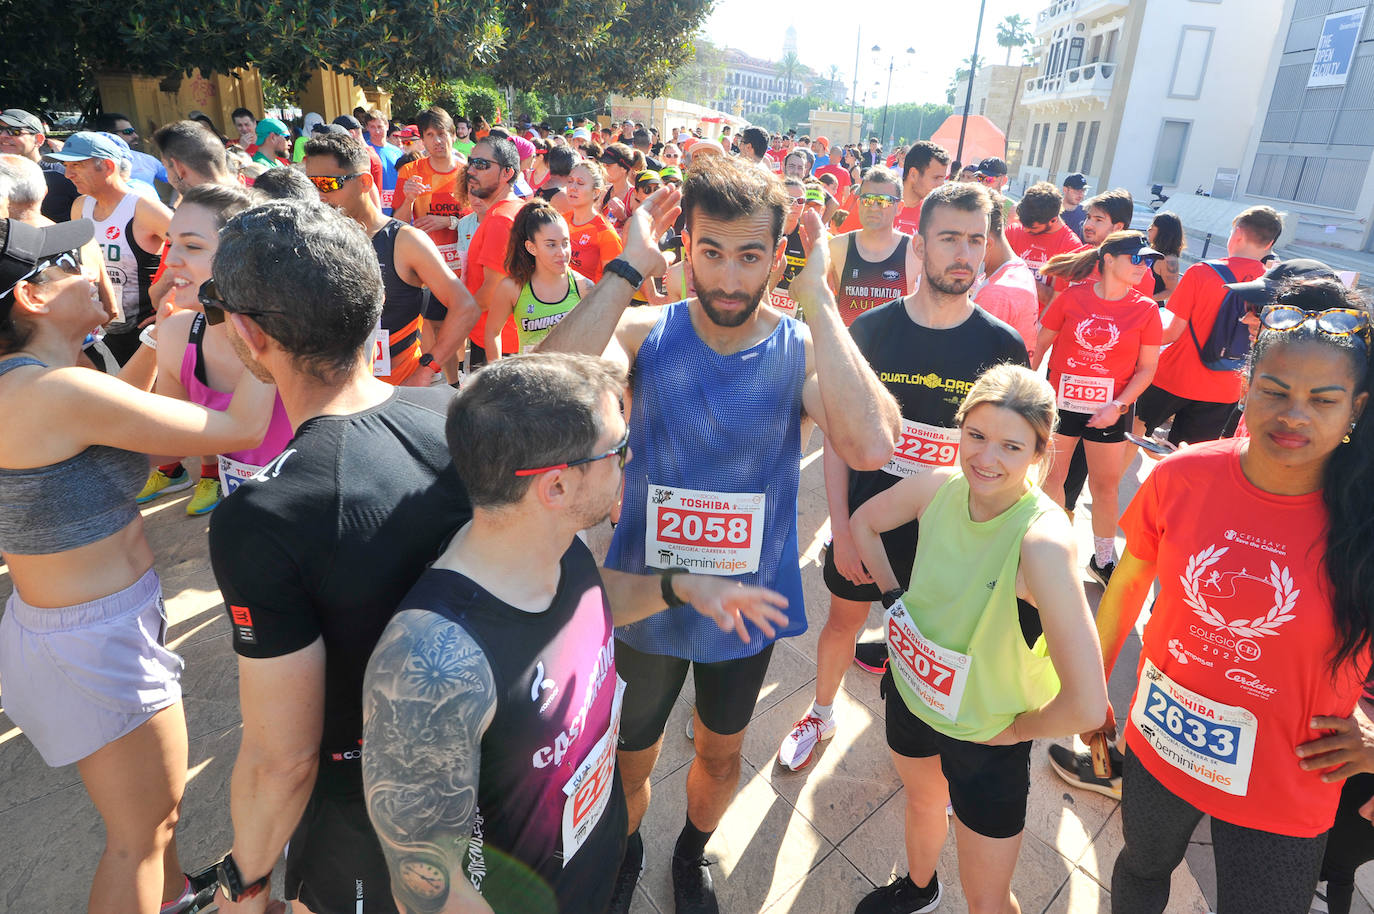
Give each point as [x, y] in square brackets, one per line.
[880, 200]
[620, 451]
[68, 262]
[215, 307]
[1332, 321]
[327, 184]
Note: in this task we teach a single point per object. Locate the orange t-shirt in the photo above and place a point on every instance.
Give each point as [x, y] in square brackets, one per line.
[1099, 338]
[488, 252]
[1239, 641]
[1196, 299]
[440, 201]
[594, 244]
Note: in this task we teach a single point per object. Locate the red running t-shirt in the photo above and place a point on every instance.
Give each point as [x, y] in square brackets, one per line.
[594, 244]
[908, 219]
[488, 252]
[1098, 341]
[1036, 250]
[1196, 299]
[1235, 662]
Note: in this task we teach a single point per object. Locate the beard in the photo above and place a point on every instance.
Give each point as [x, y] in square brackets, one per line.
[949, 286]
[253, 365]
[708, 297]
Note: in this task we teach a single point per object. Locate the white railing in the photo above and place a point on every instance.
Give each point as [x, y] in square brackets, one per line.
[1092, 79]
[1062, 10]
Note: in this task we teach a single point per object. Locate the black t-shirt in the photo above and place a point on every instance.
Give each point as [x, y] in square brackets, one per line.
[929, 372]
[62, 193]
[326, 540]
[554, 726]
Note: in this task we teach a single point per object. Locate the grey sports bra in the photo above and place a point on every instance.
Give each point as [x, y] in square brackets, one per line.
[62, 506]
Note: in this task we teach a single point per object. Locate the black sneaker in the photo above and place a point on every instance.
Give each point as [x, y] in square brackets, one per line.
[1102, 574]
[871, 655]
[693, 892]
[631, 868]
[1076, 768]
[902, 896]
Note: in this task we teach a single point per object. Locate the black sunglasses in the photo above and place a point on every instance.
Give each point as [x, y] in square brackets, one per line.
[215, 307]
[477, 163]
[621, 451]
[68, 262]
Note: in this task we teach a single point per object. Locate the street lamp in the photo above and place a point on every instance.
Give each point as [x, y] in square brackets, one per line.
[891, 65]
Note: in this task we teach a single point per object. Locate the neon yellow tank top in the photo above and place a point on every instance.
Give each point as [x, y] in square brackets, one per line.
[958, 657]
[534, 318]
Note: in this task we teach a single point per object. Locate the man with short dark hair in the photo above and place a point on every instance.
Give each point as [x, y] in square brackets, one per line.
[246, 123]
[754, 147]
[144, 167]
[873, 155]
[492, 169]
[462, 132]
[518, 788]
[1039, 234]
[192, 155]
[386, 153]
[1073, 213]
[923, 170]
[22, 134]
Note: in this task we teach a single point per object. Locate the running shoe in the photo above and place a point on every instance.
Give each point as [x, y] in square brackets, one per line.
[902, 896]
[631, 868]
[1102, 574]
[872, 656]
[159, 483]
[1076, 768]
[799, 746]
[207, 495]
[693, 892]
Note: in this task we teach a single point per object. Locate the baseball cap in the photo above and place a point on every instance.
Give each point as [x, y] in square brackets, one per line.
[88, 145]
[409, 132]
[270, 125]
[670, 173]
[815, 194]
[24, 246]
[335, 128]
[523, 147]
[124, 151]
[18, 117]
[348, 122]
[1076, 181]
[1136, 243]
[991, 166]
[582, 133]
[648, 177]
[1263, 290]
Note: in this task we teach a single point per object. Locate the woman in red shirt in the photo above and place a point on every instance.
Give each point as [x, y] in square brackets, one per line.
[1258, 643]
[1103, 359]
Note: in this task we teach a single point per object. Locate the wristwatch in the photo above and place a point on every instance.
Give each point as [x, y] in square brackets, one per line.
[891, 596]
[231, 881]
[1122, 407]
[453, 223]
[427, 361]
[665, 585]
[621, 267]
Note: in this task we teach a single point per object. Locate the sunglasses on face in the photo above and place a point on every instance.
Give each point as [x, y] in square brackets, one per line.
[985, 179]
[1148, 259]
[327, 184]
[477, 163]
[1332, 321]
[880, 200]
[128, 131]
[68, 262]
[15, 131]
[215, 307]
[620, 451]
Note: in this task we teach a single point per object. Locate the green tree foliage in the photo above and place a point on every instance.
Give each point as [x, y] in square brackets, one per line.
[1013, 32]
[911, 122]
[455, 96]
[700, 78]
[794, 111]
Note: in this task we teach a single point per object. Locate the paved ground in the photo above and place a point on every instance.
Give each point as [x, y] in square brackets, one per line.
[815, 841]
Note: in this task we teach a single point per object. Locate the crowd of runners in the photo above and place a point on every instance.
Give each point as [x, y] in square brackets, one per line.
[319, 317]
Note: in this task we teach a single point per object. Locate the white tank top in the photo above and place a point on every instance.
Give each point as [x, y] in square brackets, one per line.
[112, 234]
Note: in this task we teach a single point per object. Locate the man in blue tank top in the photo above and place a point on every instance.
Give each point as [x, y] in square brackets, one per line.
[720, 391]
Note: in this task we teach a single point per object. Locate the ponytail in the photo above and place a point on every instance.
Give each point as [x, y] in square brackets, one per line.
[532, 217]
[1074, 267]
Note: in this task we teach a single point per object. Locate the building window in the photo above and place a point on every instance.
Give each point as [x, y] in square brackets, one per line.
[983, 106]
[1091, 147]
[1078, 130]
[1110, 56]
[1190, 66]
[1075, 53]
[1173, 140]
[1095, 54]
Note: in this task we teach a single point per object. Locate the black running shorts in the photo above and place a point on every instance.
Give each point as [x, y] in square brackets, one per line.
[1194, 420]
[334, 862]
[900, 545]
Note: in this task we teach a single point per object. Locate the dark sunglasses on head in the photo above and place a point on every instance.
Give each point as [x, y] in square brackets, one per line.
[620, 451]
[215, 307]
[1332, 321]
[327, 184]
[68, 262]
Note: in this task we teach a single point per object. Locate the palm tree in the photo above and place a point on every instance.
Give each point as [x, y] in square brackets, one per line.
[835, 94]
[788, 68]
[1013, 32]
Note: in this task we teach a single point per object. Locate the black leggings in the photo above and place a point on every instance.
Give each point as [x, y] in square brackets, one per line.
[1256, 870]
[1351, 844]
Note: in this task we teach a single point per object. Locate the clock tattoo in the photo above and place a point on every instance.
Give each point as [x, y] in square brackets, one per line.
[424, 881]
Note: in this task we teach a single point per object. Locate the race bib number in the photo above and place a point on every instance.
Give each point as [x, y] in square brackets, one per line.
[923, 447]
[1084, 394]
[1206, 740]
[387, 197]
[233, 472]
[452, 258]
[381, 353]
[937, 675]
[705, 532]
[783, 301]
[589, 789]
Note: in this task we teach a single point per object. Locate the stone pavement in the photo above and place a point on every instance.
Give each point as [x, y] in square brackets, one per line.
[814, 841]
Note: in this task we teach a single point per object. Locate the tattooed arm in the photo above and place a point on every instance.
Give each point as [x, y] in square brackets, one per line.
[428, 697]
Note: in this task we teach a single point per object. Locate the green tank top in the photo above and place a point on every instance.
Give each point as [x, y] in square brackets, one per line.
[534, 318]
[958, 657]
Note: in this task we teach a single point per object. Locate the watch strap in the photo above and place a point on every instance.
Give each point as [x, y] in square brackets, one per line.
[665, 584]
[231, 880]
[621, 267]
[892, 596]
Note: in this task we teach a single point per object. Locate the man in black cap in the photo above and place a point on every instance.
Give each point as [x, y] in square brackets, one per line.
[22, 134]
[991, 173]
[1073, 213]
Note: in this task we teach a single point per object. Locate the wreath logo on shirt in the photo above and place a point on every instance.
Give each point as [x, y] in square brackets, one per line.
[1096, 337]
[1195, 578]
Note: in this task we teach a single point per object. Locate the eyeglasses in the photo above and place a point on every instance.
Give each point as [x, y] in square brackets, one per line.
[1332, 321]
[879, 200]
[621, 451]
[15, 131]
[68, 262]
[1148, 259]
[797, 201]
[327, 184]
[128, 131]
[477, 163]
[215, 307]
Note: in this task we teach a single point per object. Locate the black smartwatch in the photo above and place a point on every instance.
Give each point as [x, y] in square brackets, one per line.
[231, 881]
[665, 584]
[892, 596]
[427, 361]
[621, 267]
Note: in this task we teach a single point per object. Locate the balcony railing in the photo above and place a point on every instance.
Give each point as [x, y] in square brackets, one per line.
[1060, 11]
[1093, 80]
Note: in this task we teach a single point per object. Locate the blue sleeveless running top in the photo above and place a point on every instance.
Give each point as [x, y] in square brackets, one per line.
[712, 483]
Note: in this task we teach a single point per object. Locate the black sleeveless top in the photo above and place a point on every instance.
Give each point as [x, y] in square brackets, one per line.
[865, 284]
[403, 306]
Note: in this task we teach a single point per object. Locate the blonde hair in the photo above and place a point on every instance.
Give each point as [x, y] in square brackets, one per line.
[1023, 392]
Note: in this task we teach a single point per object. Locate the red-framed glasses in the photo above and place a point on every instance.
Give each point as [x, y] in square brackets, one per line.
[621, 450]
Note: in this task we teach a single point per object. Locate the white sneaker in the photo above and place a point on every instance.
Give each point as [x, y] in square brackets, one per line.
[799, 745]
